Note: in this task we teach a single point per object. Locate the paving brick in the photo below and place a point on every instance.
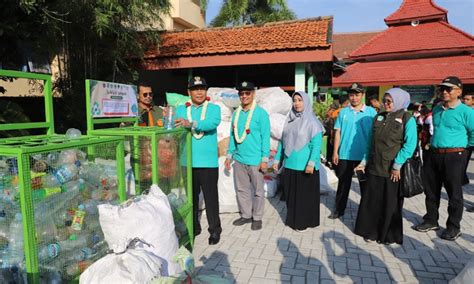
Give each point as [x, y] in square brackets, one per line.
[438, 269]
[361, 273]
[295, 272]
[369, 281]
[257, 280]
[278, 276]
[298, 280]
[430, 275]
[373, 268]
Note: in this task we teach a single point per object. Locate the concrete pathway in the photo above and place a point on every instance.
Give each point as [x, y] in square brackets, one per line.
[332, 252]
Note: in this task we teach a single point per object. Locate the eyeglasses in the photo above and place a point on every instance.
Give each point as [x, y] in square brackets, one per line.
[445, 88]
[387, 102]
[245, 93]
[149, 94]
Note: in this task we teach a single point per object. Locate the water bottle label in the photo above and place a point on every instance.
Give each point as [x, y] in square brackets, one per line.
[63, 175]
[53, 250]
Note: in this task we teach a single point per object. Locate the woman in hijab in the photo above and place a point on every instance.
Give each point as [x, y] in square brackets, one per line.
[299, 151]
[393, 140]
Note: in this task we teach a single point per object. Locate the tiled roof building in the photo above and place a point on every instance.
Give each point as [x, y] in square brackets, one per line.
[419, 47]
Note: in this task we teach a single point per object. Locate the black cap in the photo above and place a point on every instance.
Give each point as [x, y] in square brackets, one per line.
[451, 81]
[356, 88]
[246, 86]
[197, 81]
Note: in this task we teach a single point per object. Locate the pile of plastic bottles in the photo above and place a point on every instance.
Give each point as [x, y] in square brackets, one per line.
[66, 190]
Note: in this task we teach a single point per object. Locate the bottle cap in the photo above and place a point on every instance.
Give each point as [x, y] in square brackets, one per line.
[73, 237]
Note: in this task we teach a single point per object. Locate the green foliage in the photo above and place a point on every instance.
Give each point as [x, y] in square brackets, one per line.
[242, 12]
[321, 108]
[94, 38]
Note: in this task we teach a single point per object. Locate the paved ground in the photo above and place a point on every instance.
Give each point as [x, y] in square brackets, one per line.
[332, 252]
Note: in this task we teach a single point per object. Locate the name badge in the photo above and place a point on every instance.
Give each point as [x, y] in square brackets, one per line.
[379, 118]
[399, 120]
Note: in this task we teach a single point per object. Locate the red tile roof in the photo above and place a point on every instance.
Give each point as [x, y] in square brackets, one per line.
[429, 36]
[426, 71]
[416, 10]
[345, 43]
[309, 34]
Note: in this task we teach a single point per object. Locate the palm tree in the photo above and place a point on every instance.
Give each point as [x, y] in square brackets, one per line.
[242, 12]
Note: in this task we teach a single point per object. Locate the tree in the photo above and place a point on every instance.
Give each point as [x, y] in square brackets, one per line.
[242, 12]
[94, 38]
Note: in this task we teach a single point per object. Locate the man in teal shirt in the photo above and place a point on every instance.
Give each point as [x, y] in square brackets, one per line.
[453, 133]
[249, 147]
[352, 128]
[202, 118]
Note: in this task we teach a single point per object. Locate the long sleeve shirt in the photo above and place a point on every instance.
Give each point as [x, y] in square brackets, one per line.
[309, 155]
[204, 150]
[256, 146]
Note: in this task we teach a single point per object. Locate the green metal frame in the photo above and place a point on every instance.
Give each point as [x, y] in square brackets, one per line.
[22, 148]
[48, 124]
[136, 132]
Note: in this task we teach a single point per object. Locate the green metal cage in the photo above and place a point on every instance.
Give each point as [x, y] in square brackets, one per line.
[154, 155]
[50, 186]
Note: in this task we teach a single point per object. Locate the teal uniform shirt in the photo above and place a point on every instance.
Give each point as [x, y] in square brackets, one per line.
[355, 127]
[256, 146]
[204, 150]
[453, 127]
[308, 155]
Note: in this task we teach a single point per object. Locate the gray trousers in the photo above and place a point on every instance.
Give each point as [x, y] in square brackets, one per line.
[250, 193]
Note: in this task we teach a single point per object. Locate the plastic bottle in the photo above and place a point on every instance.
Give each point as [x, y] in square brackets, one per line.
[74, 242]
[15, 241]
[66, 172]
[90, 207]
[76, 268]
[46, 230]
[49, 252]
[73, 133]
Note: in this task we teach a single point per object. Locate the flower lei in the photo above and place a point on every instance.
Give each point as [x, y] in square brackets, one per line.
[247, 123]
[203, 116]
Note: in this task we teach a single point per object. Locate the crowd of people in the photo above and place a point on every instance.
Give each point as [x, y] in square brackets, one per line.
[374, 141]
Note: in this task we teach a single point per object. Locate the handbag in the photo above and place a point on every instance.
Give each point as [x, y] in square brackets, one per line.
[411, 176]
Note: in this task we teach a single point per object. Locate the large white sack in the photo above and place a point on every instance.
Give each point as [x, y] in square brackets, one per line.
[274, 100]
[327, 179]
[466, 275]
[226, 112]
[149, 218]
[223, 130]
[230, 97]
[133, 266]
[227, 196]
[277, 123]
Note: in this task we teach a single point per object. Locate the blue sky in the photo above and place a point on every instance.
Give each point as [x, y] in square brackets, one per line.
[365, 15]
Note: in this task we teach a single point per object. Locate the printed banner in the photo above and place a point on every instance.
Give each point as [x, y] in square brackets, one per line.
[113, 99]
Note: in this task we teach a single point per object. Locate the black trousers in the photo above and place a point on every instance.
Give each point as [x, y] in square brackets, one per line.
[448, 170]
[205, 179]
[344, 172]
[468, 158]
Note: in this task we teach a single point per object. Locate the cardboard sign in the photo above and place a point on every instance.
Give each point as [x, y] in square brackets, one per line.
[113, 99]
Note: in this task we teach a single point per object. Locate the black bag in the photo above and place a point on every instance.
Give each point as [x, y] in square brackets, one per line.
[411, 183]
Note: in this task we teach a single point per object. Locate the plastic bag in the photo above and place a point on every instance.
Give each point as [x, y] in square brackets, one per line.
[133, 266]
[153, 213]
[411, 178]
[274, 100]
[175, 100]
[277, 123]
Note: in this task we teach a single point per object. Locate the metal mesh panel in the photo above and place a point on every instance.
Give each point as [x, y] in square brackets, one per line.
[11, 229]
[65, 203]
[66, 187]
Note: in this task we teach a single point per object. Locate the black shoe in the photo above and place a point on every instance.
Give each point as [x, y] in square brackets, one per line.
[241, 221]
[335, 215]
[425, 227]
[470, 209]
[214, 238]
[450, 234]
[256, 225]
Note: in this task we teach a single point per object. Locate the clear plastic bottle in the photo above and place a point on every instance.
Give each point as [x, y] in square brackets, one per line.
[15, 241]
[74, 242]
[90, 207]
[73, 133]
[46, 229]
[66, 172]
[49, 252]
